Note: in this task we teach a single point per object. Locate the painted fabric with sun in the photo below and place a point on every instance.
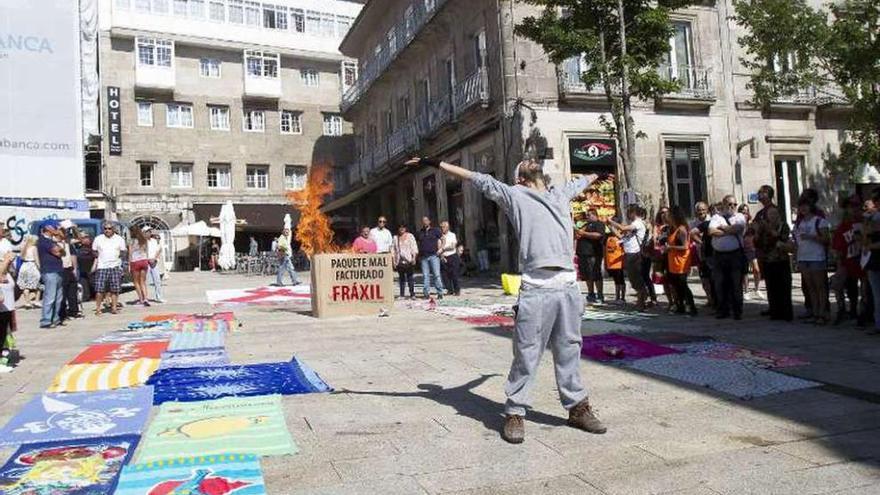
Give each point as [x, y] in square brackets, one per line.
[103, 376]
[54, 417]
[233, 474]
[233, 425]
[205, 383]
[73, 467]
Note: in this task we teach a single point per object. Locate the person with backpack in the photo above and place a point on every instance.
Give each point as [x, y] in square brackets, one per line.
[726, 229]
[678, 261]
[812, 236]
[633, 236]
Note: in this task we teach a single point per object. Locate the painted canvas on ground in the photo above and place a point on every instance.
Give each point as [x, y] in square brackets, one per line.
[204, 383]
[489, 321]
[299, 296]
[53, 417]
[205, 475]
[233, 425]
[182, 341]
[128, 351]
[616, 347]
[604, 315]
[104, 376]
[733, 352]
[123, 336]
[597, 326]
[193, 358]
[730, 377]
[74, 467]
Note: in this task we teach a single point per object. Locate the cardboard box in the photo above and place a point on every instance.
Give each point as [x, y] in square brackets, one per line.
[352, 284]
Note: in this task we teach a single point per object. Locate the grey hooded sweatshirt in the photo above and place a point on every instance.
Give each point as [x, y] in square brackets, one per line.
[542, 220]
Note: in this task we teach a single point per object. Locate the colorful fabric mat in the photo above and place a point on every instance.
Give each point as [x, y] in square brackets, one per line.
[194, 358]
[233, 474]
[123, 336]
[299, 295]
[597, 326]
[149, 325]
[105, 376]
[128, 351]
[55, 417]
[730, 377]
[182, 341]
[605, 315]
[613, 347]
[75, 467]
[233, 425]
[194, 326]
[489, 321]
[733, 352]
[204, 383]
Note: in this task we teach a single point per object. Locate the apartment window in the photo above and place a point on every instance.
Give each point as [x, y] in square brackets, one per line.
[236, 11]
[298, 20]
[219, 176]
[409, 20]
[423, 95]
[429, 5]
[197, 9]
[181, 174]
[680, 56]
[261, 64]
[685, 173]
[123, 4]
[274, 16]
[180, 8]
[349, 74]
[391, 37]
[332, 124]
[295, 177]
[217, 11]
[343, 24]
[328, 25]
[252, 14]
[142, 5]
[145, 113]
[789, 174]
[146, 173]
[404, 114]
[154, 52]
[479, 45]
[310, 77]
[179, 115]
[209, 67]
[785, 62]
[160, 6]
[291, 122]
[257, 177]
[219, 117]
[313, 22]
[253, 121]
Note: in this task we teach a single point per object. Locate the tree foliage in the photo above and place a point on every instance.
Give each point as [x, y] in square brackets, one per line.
[792, 47]
[622, 57]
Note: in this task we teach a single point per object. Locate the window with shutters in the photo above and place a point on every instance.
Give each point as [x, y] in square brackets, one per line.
[685, 173]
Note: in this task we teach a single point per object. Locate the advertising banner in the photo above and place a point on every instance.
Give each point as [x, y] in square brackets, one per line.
[352, 284]
[40, 94]
[595, 156]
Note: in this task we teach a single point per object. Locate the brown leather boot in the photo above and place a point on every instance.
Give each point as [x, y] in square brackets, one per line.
[581, 416]
[514, 430]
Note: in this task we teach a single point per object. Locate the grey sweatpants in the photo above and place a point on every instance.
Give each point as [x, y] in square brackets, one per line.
[546, 316]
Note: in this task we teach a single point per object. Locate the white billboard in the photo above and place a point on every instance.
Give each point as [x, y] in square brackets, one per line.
[40, 115]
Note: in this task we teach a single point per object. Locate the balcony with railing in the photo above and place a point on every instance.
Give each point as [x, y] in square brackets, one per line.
[810, 97]
[399, 37]
[696, 85]
[409, 136]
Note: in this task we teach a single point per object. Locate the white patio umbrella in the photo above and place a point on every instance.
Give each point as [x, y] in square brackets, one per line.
[227, 236]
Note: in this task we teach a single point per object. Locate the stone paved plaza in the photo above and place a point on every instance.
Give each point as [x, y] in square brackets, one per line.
[419, 396]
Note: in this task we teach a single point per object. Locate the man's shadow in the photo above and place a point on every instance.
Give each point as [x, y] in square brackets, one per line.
[465, 402]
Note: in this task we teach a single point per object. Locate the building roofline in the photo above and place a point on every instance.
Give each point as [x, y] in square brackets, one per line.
[349, 38]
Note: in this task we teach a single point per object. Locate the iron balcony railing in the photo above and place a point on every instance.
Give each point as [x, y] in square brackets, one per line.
[695, 82]
[814, 96]
[396, 40]
[406, 138]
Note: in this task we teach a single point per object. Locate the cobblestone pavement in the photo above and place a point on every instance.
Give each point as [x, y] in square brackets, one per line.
[419, 397]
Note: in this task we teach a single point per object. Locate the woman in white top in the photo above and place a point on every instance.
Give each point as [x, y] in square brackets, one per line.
[450, 259]
[29, 274]
[812, 234]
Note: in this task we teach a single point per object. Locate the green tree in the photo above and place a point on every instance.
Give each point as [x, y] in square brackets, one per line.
[792, 47]
[623, 41]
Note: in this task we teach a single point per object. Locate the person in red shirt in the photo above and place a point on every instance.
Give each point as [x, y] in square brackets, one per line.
[845, 243]
[363, 244]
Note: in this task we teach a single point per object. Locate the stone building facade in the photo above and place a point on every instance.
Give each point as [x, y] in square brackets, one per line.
[450, 78]
[220, 100]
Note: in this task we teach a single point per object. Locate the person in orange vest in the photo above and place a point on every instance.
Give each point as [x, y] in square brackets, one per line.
[614, 266]
[678, 256]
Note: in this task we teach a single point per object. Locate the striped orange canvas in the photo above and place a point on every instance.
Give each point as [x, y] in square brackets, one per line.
[103, 376]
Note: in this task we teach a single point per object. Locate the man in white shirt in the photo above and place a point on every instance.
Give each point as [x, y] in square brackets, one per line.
[108, 267]
[633, 236]
[450, 259]
[726, 229]
[382, 236]
[154, 256]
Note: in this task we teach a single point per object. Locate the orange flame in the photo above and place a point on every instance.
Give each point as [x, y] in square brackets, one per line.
[313, 230]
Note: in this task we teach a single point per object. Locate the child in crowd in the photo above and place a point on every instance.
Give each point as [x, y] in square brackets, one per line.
[614, 266]
[7, 310]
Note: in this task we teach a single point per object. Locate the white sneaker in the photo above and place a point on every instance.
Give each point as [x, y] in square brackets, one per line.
[747, 296]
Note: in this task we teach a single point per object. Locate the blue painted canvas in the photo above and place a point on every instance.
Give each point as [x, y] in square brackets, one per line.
[53, 417]
[204, 383]
[182, 341]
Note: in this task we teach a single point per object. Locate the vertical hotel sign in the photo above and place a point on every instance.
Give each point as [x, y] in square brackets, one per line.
[115, 118]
